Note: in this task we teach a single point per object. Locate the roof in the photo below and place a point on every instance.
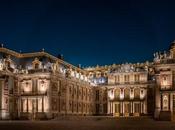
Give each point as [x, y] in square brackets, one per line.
[38, 54]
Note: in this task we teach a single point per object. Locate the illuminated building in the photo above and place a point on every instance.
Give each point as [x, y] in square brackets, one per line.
[164, 64]
[40, 86]
[127, 87]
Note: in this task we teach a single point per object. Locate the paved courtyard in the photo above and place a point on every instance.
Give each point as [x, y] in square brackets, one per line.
[90, 123]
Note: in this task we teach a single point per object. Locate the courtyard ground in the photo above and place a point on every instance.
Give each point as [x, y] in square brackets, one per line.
[90, 123]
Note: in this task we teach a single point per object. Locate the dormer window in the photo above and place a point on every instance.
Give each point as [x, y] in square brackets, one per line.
[36, 66]
[36, 63]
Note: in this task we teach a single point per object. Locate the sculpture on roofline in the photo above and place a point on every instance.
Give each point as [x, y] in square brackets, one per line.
[68, 72]
[1, 64]
[156, 57]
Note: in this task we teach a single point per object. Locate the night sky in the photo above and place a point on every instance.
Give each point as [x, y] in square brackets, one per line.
[89, 32]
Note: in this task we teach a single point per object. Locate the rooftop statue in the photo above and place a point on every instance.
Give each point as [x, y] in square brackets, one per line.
[1, 64]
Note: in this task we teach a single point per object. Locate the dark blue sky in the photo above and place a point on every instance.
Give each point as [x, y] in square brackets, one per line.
[89, 32]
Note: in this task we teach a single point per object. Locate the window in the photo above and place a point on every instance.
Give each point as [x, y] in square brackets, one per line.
[137, 107]
[97, 95]
[126, 93]
[37, 66]
[26, 86]
[117, 108]
[117, 79]
[43, 86]
[165, 102]
[36, 63]
[126, 78]
[39, 104]
[97, 108]
[137, 78]
[59, 86]
[24, 105]
[173, 103]
[127, 107]
[117, 93]
[166, 81]
[136, 93]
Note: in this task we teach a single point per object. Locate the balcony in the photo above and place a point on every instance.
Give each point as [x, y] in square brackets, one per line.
[165, 61]
[132, 83]
[38, 70]
[128, 99]
[167, 89]
[33, 93]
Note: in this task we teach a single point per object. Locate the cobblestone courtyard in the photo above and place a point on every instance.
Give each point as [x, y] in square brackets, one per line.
[90, 123]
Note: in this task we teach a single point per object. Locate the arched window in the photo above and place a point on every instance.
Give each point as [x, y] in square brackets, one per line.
[136, 93]
[165, 103]
[127, 93]
[117, 93]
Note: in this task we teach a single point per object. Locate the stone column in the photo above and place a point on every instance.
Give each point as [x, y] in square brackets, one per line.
[36, 104]
[141, 107]
[109, 108]
[133, 105]
[121, 110]
[144, 107]
[27, 105]
[123, 107]
[113, 108]
[21, 105]
[161, 102]
[169, 107]
[42, 104]
[171, 104]
[67, 97]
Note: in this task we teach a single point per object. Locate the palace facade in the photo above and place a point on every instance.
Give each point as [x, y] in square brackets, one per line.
[41, 86]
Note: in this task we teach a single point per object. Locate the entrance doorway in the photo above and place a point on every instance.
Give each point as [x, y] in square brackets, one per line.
[136, 109]
[126, 109]
[34, 109]
[174, 107]
[117, 109]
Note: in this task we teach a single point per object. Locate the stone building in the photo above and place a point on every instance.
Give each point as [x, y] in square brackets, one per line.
[38, 85]
[164, 64]
[127, 88]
